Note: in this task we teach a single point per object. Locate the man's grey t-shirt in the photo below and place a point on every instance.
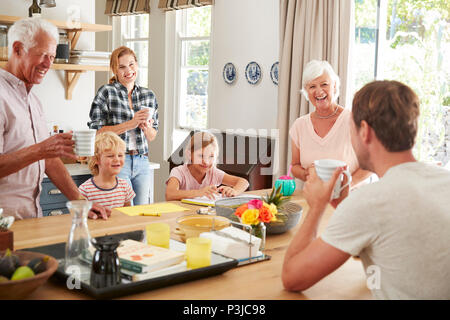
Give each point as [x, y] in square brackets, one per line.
[400, 227]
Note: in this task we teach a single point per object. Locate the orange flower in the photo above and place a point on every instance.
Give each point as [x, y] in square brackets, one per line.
[265, 215]
[239, 211]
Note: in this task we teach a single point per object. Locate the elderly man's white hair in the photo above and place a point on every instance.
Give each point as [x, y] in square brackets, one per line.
[316, 68]
[25, 30]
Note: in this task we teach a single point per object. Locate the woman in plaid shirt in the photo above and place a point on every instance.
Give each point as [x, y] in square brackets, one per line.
[131, 111]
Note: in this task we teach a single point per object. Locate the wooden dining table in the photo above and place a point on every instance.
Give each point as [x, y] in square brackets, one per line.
[257, 281]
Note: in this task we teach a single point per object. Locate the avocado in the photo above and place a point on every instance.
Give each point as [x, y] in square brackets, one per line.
[39, 265]
[7, 265]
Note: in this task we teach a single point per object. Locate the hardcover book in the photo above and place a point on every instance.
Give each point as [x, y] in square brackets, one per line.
[142, 258]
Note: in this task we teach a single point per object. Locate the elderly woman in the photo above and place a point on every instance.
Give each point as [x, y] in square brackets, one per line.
[131, 111]
[324, 133]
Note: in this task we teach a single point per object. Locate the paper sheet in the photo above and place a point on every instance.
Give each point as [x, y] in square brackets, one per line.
[163, 207]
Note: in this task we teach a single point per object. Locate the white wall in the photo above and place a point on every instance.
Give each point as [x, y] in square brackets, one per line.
[68, 114]
[244, 31]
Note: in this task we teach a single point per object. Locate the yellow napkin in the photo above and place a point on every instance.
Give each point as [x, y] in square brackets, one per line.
[151, 208]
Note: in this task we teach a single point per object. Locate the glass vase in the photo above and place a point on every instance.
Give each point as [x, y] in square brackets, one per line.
[259, 230]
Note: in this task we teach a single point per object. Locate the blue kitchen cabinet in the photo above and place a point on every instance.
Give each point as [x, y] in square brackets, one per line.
[53, 202]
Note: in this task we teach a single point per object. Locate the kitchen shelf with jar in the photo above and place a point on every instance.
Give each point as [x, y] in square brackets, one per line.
[74, 30]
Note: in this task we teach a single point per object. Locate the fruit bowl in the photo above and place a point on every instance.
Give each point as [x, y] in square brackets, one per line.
[291, 213]
[19, 289]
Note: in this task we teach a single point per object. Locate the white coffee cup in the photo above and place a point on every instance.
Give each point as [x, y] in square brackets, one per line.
[325, 169]
[151, 111]
[84, 142]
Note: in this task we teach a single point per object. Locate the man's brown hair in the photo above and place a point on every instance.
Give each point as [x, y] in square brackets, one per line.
[391, 109]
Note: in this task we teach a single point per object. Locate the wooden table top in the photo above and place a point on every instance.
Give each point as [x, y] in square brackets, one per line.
[256, 281]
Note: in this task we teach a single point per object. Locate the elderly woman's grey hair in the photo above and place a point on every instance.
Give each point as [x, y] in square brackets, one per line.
[316, 68]
[25, 30]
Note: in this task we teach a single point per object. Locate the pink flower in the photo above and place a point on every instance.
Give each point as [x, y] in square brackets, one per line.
[255, 204]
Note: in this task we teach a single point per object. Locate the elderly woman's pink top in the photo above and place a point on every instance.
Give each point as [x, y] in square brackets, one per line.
[335, 145]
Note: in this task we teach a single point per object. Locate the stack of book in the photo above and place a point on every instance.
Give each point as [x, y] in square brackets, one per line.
[138, 260]
[87, 57]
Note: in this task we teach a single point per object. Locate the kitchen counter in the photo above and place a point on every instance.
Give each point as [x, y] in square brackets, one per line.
[77, 169]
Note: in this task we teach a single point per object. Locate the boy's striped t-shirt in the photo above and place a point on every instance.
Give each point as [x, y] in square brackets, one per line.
[109, 198]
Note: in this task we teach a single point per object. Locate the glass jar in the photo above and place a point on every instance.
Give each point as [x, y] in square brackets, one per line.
[3, 42]
[63, 49]
[78, 247]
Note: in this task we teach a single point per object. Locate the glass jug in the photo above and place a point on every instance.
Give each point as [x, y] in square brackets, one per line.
[105, 270]
[78, 246]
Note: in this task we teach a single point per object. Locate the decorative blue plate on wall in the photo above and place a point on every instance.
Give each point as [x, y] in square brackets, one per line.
[253, 73]
[274, 73]
[229, 73]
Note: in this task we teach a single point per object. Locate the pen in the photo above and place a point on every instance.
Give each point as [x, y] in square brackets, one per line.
[150, 214]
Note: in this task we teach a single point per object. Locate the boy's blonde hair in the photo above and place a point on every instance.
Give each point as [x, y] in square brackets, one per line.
[200, 140]
[103, 142]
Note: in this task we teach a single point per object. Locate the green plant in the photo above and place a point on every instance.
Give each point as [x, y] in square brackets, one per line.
[276, 197]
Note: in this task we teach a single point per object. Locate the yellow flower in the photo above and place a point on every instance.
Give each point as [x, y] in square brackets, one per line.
[273, 209]
[250, 216]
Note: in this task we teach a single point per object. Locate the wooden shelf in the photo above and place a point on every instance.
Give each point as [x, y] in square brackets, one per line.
[70, 67]
[74, 30]
[63, 24]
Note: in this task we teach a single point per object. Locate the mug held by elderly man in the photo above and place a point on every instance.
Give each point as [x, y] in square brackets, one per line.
[26, 150]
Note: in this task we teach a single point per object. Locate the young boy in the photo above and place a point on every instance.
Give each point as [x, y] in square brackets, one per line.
[105, 187]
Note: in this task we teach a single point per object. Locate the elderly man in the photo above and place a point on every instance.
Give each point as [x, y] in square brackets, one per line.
[26, 150]
[399, 226]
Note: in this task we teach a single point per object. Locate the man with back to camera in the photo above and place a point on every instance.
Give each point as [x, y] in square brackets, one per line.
[399, 226]
[26, 150]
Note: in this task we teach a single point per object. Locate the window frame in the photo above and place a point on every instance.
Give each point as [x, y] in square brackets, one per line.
[180, 26]
[120, 40]
[379, 74]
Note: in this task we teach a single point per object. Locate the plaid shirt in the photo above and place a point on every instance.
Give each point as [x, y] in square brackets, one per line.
[110, 107]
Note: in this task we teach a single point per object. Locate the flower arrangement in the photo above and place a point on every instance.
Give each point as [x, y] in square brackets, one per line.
[257, 212]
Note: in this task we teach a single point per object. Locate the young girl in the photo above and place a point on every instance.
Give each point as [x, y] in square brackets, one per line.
[105, 187]
[198, 176]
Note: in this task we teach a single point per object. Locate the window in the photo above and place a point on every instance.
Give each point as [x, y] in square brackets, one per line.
[193, 48]
[134, 34]
[409, 41]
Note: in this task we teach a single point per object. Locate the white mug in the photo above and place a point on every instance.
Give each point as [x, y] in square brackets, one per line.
[84, 142]
[325, 169]
[151, 111]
